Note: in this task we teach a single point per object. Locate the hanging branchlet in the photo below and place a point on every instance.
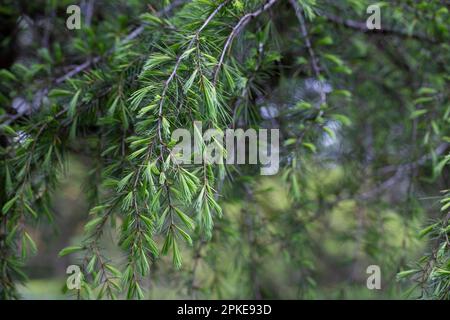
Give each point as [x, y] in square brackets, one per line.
[215, 64]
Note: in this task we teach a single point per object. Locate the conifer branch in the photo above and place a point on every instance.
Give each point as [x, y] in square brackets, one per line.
[362, 27]
[304, 31]
[236, 30]
[89, 63]
[178, 62]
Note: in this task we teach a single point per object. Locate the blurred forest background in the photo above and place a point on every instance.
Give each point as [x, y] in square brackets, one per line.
[365, 127]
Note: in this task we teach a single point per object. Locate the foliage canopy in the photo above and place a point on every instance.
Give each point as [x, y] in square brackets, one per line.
[363, 116]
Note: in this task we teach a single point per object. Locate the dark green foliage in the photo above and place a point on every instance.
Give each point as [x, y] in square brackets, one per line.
[381, 98]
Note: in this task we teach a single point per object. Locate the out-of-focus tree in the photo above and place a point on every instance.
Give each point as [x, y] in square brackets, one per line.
[364, 129]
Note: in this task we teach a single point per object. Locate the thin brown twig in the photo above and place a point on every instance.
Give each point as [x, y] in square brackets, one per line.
[236, 30]
[304, 31]
[361, 26]
[178, 62]
[92, 61]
